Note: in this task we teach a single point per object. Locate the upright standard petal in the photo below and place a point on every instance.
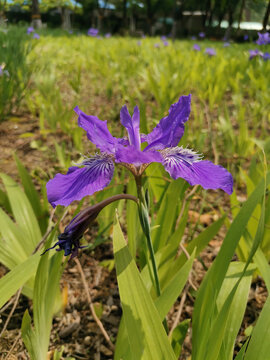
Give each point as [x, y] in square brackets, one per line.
[186, 164]
[97, 131]
[132, 125]
[131, 155]
[171, 128]
[79, 182]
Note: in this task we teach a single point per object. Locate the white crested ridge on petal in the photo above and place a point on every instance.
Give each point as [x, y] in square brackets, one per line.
[178, 153]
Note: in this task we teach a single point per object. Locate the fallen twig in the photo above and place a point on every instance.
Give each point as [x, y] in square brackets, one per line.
[91, 306]
[13, 346]
[12, 311]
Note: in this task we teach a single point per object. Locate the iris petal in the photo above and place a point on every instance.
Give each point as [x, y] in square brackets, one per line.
[186, 164]
[79, 182]
[132, 125]
[97, 131]
[131, 155]
[171, 128]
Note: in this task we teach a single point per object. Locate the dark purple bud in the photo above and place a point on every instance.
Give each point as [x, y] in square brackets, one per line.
[69, 240]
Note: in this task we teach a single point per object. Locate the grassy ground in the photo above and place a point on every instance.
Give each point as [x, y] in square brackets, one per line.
[229, 123]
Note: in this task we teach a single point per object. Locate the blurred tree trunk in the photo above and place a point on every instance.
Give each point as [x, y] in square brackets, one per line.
[174, 16]
[229, 28]
[36, 18]
[242, 8]
[207, 12]
[124, 14]
[266, 16]
[101, 14]
[210, 18]
[149, 16]
[177, 16]
[65, 18]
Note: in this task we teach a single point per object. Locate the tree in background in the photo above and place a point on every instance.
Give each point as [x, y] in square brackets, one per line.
[266, 16]
[64, 7]
[36, 18]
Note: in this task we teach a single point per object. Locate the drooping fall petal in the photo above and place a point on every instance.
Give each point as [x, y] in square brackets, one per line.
[186, 164]
[80, 182]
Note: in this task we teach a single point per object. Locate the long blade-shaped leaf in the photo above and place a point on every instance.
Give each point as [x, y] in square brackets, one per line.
[208, 292]
[17, 277]
[147, 337]
[259, 346]
[22, 211]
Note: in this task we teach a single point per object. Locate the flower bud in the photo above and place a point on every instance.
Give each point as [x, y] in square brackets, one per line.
[69, 240]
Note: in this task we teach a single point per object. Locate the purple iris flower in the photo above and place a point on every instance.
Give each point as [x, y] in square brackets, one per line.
[30, 29]
[193, 38]
[196, 47]
[36, 36]
[210, 51]
[3, 72]
[264, 39]
[139, 43]
[202, 35]
[246, 37]
[163, 38]
[97, 171]
[108, 35]
[266, 56]
[157, 45]
[165, 43]
[92, 32]
[255, 53]
[226, 44]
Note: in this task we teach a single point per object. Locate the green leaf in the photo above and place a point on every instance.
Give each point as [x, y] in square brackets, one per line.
[147, 337]
[17, 277]
[167, 213]
[178, 336]
[13, 244]
[241, 354]
[4, 202]
[31, 193]
[259, 345]
[46, 290]
[162, 303]
[208, 292]
[168, 269]
[155, 174]
[22, 211]
[28, 333]
[174, 288]
[261, 262]
[233, 314]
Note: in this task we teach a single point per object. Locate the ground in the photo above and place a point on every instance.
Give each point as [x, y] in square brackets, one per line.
[74, 328]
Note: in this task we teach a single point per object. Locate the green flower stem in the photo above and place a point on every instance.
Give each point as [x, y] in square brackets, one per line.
[145, 224]
[144, 219]
[154, 265]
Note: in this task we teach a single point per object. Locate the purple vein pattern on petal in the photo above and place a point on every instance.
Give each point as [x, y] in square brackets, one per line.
[171, 128]
[132, 125]
[79, 182]
[97, 131]
[186, 164]
[131, 155]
